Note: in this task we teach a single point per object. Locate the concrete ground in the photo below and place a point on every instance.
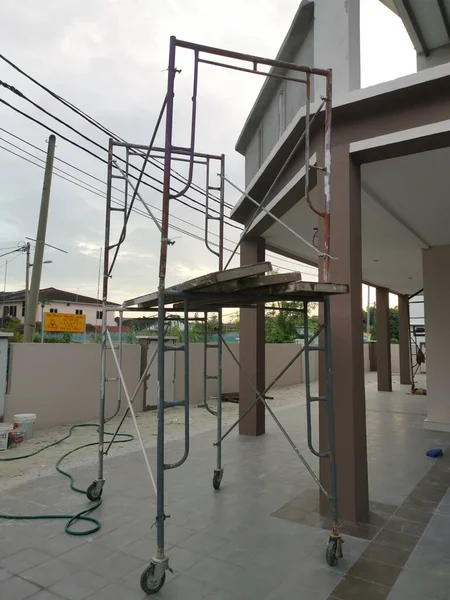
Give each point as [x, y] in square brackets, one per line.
[259, 537]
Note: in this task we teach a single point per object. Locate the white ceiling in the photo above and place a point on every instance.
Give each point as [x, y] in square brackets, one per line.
[405, 207]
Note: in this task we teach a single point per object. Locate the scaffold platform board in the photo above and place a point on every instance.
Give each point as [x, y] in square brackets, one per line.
[241, 287]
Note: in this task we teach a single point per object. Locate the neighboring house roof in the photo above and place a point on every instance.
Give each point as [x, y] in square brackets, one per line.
[53, 295]
[292, 42]
[427, 23]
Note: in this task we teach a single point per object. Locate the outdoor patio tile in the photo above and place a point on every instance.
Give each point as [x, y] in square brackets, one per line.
[46, 595]
[4, 575]
[50, 572]
[60, 544]
[79, 585]
[351, 588]
[115, 591]
[87, 554]
[397, 540]
[23, 560]
[16, 588]
[386, 554]
[115, 565]
[371, 570]
[405, 526]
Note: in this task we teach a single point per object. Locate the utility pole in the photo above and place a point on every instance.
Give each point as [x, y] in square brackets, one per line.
[27, 278]
[33, 296]
[4, 294]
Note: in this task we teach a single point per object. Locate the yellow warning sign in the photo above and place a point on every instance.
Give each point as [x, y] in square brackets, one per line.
[63, 322]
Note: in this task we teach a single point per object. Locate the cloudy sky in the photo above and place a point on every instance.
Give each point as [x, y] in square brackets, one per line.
[108, 58]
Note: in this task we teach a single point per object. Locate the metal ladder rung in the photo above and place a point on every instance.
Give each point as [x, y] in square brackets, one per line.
[118, 177]
[214, 188]
[212, 345]
[211, 377]
[318, 399]
[112, 379]
[212, 218]
[316, 348]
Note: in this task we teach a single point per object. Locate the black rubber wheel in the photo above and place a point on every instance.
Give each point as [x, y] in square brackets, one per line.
[217, 480]
[94, 492]
[150, 584]
[332, 553]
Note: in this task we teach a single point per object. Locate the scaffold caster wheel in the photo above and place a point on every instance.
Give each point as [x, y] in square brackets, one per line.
[151, 583]
[217, 479]
[333, 552]
[95, 491]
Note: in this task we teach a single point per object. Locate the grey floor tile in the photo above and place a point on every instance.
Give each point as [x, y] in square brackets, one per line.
[115, 566]
[60, 544]
[23, 560]
[50, 572]
[423, 584]
[79, 586]
[45, 595]
[87, 554]
[4, 574]
[116, 591]
[203, 543]
[16, 588]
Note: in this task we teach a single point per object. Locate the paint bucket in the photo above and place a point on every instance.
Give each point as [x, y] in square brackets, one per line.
[4, 434]
[16, 437]
[26, 422]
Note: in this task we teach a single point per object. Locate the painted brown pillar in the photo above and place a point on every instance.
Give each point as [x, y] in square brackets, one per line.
[347, 347]
[384, 369]
[404, 340]
[252, 350]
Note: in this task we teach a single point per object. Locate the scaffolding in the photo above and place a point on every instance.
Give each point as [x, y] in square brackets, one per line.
[249, 286]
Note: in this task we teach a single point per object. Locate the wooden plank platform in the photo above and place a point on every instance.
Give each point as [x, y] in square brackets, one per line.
[202, 282]
[240, 288]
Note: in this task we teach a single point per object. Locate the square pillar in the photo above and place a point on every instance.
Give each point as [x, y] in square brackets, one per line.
[384, 369]
[436, 291]
[252, 349]
[347, 347]
[404, 340]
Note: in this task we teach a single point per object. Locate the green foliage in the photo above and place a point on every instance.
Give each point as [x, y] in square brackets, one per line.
[14, 326]
[286, 325]
[393, 323]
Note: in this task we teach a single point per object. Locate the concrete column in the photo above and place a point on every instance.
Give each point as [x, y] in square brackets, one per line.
[404, 340]
[384, 369]
[252, 349]
[347, 347]
[436, 287]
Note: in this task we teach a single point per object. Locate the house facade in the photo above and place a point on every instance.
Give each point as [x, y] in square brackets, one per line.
[390, 149]
[12, 304]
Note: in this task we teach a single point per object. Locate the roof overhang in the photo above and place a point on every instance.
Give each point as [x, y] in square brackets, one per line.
[427, 23]
[379, 97]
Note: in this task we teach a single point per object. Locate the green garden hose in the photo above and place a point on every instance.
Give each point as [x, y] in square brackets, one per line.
[82, 515]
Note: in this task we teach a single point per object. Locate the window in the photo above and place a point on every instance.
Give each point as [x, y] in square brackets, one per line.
[99, 314]
[13, 311]
[53, 310]
[23, 309]
[78, 311]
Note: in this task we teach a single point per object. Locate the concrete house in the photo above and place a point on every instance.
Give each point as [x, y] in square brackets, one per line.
[56, 301]
[389, 207]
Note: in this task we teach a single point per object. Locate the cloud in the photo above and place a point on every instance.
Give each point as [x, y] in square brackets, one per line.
[109, 58]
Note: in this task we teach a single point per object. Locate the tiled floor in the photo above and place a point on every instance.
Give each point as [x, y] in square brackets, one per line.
[226, 545]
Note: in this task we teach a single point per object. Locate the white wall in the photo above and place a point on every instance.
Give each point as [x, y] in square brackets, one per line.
[89, 310]
[436, 284]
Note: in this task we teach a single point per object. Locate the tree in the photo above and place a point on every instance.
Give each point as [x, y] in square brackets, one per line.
[393, 323]
[285, 322]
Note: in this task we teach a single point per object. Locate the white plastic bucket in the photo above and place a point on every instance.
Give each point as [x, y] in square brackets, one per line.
[4, 433]
[26, 422]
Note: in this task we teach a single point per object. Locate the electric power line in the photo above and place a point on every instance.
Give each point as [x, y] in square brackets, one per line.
[136, 210]
[72, 107]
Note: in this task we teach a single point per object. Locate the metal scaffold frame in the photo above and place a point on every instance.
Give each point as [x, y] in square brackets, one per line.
[244, 287]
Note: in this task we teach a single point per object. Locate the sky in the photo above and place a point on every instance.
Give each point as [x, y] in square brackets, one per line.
[108, 57]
